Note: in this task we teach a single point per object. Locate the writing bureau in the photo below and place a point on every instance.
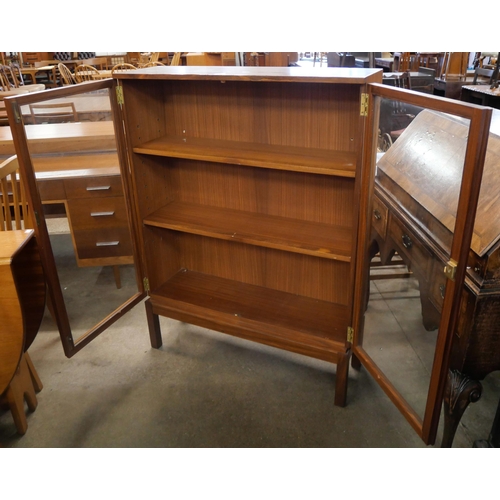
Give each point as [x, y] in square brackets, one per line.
[247, 186]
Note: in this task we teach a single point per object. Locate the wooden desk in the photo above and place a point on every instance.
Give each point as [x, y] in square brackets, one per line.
[63, 138]
[386, 63]
[481, 94]
[22, 299]
[452, 87]
[89, 185]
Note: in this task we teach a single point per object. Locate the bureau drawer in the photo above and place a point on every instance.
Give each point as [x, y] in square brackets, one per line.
[437, 285]
[93, 187]
[103, 242]
[409, 245]
[97, 213]
[379, 217]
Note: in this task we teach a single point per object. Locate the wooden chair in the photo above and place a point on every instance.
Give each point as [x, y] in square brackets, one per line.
[151, 64]
[122, 67]
[86, 73]
[66, 76]
[487, 74]
[61, 112]
[16, 77]
[176, 59]
[96, 62]
[13, 204]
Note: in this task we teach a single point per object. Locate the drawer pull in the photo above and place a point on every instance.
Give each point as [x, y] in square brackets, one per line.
[98, 188]
[377, 214]
[107, 243]
[407, 243]
[101, 214]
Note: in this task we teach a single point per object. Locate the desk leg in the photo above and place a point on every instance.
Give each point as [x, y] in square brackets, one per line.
[460, 391]
[153, 326]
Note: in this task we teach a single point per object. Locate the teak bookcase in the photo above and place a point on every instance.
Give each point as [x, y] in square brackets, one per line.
[247, 187]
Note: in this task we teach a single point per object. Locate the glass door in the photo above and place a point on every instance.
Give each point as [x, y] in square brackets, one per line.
[72, 166]
[424, 166]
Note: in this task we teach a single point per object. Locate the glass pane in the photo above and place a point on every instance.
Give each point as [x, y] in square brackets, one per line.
[73, 151]
[420, 161]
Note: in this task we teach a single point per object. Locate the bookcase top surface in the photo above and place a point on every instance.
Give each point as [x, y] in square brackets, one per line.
[252, 73]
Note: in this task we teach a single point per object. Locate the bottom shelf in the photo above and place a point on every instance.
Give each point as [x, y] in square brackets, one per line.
[300, 324]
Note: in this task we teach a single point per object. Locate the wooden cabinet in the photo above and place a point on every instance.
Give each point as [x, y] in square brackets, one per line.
[247, 190]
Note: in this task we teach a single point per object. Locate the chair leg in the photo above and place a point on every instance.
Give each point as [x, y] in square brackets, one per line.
[116, 271]
[20, 389]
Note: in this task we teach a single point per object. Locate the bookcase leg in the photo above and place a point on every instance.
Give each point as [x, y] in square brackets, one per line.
[342, 376]
[153, 326]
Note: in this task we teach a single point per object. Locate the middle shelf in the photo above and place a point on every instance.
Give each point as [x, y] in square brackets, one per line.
[293, 158]
[282, 233]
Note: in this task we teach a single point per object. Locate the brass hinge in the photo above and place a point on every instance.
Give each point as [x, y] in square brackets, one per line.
[119, 94]
[145, 281]
[350, 334]
[364, 104]
[450, 270]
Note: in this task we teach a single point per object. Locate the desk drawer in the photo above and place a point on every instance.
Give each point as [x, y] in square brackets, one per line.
[103, 242]
[379, 217]
[409, 245]
[94, 187]
[51, 190]
[97, 213]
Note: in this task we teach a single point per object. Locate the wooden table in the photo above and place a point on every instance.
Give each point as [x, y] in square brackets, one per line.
[32, 71]
[481, 94]
[63, 138]
[22, 298]
[90, 107]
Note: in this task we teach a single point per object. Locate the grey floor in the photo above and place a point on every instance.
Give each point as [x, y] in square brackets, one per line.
[207, 389]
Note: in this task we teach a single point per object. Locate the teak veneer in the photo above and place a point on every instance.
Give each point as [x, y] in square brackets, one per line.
[247, 187]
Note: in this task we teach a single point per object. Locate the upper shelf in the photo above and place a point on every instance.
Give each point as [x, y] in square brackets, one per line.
[299, 159]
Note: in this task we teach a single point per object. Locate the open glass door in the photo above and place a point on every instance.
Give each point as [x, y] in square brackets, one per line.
[424, 164]
[70, 156]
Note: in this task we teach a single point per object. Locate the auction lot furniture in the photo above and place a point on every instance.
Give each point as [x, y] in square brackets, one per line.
[251, 193]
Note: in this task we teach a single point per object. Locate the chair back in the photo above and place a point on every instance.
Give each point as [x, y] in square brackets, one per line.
[86, 73]
[152, 63]
[60, 112]
[176, 59]
[483, 72]
[13, 204]
[122, 67]
[66, 75]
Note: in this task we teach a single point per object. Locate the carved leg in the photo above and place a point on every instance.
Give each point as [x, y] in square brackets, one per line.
[460, 391]
[153, 326]
[341, 379]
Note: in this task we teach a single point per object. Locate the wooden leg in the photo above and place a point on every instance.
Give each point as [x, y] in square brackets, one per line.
[20, 389]
[153, 326]
[37, 383]
[116, 272]
[342, 377]
[460, 391]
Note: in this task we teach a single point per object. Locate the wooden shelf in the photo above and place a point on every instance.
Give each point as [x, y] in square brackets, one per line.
[256, 313]
[299, 159]
[293, 235]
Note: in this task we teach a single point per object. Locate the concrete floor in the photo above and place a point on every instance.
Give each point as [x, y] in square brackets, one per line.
[207, 389]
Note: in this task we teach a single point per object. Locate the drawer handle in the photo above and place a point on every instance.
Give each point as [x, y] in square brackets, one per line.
[442, 290]
[101, 214]
[407, 243]
[377, 214]
[98, 188]
[107, 243]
